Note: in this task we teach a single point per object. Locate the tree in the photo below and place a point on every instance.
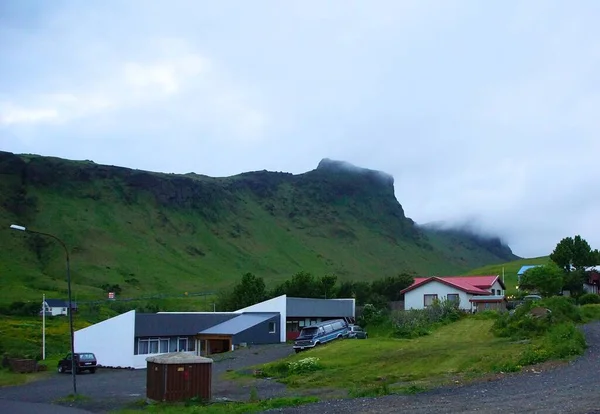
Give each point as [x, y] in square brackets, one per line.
[391, 286]
[327, 283]
[250, 290]
[548, 280]
[574, 253]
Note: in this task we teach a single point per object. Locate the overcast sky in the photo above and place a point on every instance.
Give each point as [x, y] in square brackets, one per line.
[483, 111]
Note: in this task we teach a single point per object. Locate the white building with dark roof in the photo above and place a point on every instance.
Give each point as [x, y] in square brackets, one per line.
[128, 339]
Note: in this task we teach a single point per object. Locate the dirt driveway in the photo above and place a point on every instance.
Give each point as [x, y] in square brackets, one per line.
[112, 389]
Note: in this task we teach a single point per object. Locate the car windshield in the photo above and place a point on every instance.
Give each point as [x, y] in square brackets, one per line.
[87, 357]
[312, 331]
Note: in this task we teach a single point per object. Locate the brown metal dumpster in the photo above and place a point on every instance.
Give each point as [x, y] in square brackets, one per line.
[178, 376]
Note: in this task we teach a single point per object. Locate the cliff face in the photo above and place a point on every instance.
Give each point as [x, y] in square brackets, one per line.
[194, 232]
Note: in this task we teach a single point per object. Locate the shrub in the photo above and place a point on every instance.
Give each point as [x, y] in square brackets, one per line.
[589, 298]
[590, 312]
[419, 322]
[304, 365]
[371, 315]
[522, 324]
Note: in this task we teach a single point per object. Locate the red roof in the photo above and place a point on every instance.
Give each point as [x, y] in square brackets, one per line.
[476, 285]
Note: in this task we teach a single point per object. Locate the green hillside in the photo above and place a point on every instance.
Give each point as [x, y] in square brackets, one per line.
[166, 233]
[510, 270]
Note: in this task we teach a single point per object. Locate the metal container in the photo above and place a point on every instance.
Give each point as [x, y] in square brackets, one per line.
[178, 376]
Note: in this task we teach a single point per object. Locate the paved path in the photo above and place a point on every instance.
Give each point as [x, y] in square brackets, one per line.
[572, 388]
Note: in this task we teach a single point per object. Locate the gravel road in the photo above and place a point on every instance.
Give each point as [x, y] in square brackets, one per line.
[570, 388]
[110, 389]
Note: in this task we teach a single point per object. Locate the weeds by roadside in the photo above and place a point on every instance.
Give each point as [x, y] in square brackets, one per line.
[219, 407]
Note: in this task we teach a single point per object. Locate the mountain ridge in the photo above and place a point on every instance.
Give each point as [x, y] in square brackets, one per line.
[152, 231]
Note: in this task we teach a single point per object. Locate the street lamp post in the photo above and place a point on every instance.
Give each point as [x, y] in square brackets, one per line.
[70, 308]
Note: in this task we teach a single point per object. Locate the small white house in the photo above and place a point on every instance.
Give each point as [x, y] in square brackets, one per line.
[56, 307]
[463, 289]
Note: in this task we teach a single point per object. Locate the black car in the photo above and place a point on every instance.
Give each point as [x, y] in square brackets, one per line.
[84, 361]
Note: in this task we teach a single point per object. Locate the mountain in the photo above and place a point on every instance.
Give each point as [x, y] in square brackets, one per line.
[152, 232]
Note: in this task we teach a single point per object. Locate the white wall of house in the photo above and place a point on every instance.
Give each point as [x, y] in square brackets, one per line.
[111, 340]
[55, 310]
[278, 304]
[497, 288]
[414, 299]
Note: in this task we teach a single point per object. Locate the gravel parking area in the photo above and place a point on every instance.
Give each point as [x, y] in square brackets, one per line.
[110, 389]
[570, 388]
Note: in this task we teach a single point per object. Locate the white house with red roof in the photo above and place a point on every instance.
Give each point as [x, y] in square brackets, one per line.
[471, 292]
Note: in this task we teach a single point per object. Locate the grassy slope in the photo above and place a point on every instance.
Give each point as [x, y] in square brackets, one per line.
[464, 347]
[510, 270]
[269, 224]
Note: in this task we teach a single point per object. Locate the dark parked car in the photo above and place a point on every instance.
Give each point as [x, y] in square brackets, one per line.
[356, 332]
[84, 361]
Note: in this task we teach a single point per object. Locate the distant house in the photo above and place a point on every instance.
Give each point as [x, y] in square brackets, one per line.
[56, 307]
[592, 284]
[472, 293]
[523, 269]
[127, 339]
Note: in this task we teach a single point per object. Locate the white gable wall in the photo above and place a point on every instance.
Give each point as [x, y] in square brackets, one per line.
[111, 341]
[497, 287]
[414, 299]
[278, 304]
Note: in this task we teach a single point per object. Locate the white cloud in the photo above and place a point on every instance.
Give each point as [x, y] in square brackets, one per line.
[11, 114]
[188, 79]
[481, 110]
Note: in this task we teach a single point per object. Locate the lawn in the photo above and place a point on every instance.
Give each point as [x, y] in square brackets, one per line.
[454, 351]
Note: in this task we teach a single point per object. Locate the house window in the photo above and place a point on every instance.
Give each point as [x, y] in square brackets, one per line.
[182, 344]
[428, 299]
[493, 291]
[152, 346]
[272, 327]
[453, 297]
[142, 346]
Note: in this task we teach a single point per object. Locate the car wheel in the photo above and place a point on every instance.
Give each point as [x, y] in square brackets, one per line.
[93, 370]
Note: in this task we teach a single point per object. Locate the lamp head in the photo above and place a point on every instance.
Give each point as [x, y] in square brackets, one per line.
[17, 227]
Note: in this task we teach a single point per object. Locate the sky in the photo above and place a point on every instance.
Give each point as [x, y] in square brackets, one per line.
[484, 113]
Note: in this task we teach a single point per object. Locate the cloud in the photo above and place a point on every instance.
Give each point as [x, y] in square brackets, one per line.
[483, 112]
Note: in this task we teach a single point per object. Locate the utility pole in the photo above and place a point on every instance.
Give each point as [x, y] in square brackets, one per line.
[43, 326]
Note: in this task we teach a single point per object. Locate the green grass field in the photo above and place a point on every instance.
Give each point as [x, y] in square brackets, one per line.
[453, 352]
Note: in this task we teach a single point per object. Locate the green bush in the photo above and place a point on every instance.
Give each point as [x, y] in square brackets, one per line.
[561, 341]
[419, 322]
[589, 298]
[590, 312]
[522, 324]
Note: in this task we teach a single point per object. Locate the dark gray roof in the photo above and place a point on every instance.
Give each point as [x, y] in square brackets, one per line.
[59, 303]
[324, 308]
[172, 324]
[239, 323]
